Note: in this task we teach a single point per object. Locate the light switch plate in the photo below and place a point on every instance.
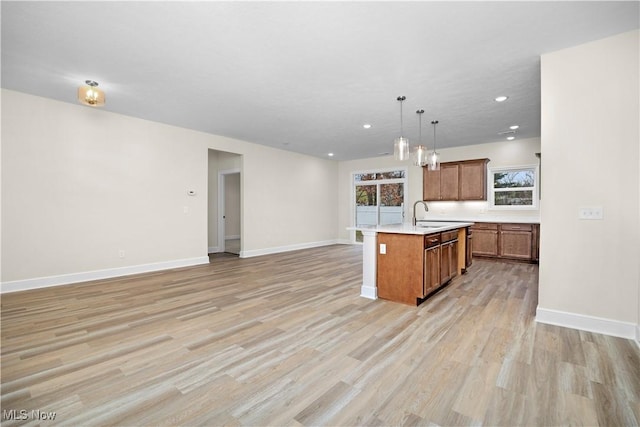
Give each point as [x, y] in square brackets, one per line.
[594, 212]
[383, 249]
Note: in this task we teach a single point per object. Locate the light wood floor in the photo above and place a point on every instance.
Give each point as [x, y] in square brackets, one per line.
[287, 340]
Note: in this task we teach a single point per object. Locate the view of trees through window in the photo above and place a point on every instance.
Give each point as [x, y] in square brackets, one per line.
[379, 198]
[514, 187]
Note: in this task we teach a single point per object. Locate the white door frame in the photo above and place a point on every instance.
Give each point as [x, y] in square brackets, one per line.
[221, 231]
[404, 181]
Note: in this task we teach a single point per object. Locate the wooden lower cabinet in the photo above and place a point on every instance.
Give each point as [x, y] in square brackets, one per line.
[516, 244]
[508, 241]
[431, 270]
[485, 239]
[413, 266]
[469, 249]
[448, 259]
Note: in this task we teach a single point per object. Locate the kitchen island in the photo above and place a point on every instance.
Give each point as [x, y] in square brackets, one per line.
[406, 263]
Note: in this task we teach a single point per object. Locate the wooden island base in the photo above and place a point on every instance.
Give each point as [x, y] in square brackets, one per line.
[412, 267]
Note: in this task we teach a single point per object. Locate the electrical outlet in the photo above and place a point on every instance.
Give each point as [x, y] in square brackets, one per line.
[591, 213]
[383, 249]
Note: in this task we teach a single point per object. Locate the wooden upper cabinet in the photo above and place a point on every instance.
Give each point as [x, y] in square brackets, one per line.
[465, 180]
[430, 184]
[473, 179]
[449, 182]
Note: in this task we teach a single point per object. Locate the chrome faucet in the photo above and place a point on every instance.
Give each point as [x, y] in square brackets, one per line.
[426, 209]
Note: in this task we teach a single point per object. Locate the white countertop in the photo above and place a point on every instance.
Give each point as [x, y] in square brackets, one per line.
[408, 228]
[489, 217]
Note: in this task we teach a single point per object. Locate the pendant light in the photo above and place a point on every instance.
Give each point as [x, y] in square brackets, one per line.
[420, 152]
[401, 144]
[433, 161]
[90, 95]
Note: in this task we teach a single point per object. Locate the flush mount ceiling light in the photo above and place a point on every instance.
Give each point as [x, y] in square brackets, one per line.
[419, 153]
[501, 98]
[433, 161]
[401, 144]
[514, 127]
[90, 95]
[366, 126]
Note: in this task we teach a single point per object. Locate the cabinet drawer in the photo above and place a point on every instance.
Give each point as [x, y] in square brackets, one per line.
[431, 240]
[484, 226]
[516, 227]
[447, 236]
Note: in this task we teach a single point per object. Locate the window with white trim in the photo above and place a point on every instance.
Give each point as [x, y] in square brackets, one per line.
[513, 187]
[379, 197]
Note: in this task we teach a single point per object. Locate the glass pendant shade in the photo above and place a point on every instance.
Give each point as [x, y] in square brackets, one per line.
[433, 161]
[420, 155]
[401, 144]
[90, 95]
[401, 148]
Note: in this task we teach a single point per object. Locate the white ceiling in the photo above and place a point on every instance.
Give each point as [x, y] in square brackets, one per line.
[305, 76]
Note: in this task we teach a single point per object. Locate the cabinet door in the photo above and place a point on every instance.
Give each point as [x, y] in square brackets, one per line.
[445, 263]
[430, 184]
[453, 261]
[516, 244]
[469, 254]
[449, 181]
[485, 242]
[473, 180]
[431, 269]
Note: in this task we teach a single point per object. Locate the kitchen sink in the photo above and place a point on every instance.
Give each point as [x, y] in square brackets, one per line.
[433, 224]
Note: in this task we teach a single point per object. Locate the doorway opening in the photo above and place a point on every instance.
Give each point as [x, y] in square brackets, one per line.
[224, 193]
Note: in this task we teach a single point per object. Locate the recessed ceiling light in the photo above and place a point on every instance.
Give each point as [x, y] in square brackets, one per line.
[330, 154]
[511, 138]
[514, 127]
[366, 126]
[501, 98]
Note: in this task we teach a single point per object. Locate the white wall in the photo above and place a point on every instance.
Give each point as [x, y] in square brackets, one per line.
[503, 153]
[589, 276]
[79, 185]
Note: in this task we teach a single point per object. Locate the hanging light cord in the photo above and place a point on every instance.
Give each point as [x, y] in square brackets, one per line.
[434, 123]
[420, 126]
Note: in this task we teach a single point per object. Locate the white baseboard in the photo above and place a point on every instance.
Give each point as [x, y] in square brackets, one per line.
[598, 325]
[288, 248]
[638, 335]
[66, 279]
[344, 242]
[368, 292]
